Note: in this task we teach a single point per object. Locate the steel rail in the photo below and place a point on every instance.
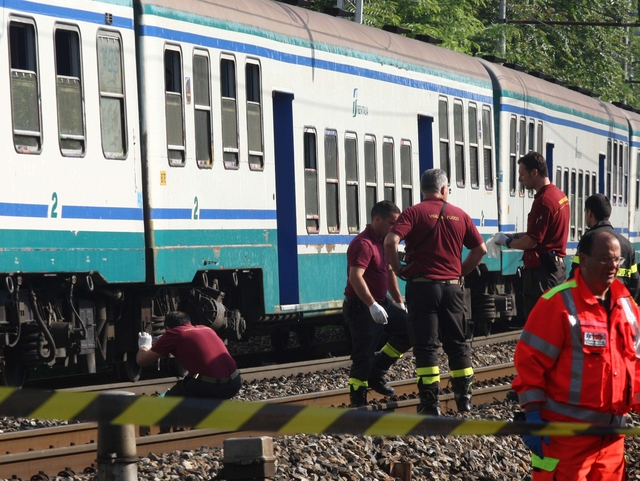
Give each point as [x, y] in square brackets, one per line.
[73, 446]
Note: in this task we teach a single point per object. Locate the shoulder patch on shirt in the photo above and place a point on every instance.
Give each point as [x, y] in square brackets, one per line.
[595, 339]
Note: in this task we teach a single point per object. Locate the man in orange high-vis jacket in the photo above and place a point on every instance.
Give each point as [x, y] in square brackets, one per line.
[578, 360]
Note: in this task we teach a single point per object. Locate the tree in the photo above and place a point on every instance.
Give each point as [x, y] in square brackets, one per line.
[596, 58]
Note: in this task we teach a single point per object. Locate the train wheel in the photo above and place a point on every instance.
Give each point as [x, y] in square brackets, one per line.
[305, 335]
[483, 327]
[280, 339]
[128, 370]
[13, 375]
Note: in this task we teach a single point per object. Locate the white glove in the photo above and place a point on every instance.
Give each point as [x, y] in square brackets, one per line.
[402, 306]
[493, 249]
[378, 313]
[144, 340]
[501, 238]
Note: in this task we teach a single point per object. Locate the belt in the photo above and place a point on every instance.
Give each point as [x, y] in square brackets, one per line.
[435, 281]
[216, 380]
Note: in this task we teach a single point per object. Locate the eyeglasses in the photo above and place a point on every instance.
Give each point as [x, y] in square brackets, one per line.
[605, 261]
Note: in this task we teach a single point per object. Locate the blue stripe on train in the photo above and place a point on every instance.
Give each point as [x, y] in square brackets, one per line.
[213, 214]
[102, 213]
[67, 13]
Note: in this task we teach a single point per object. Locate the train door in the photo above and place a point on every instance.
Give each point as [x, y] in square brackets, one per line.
[288, 275]
[425, 143]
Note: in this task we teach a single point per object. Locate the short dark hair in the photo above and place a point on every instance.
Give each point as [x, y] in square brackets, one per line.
[587, 241]
[599, 205]
[175, 319]
[533, 160]
[384, 209]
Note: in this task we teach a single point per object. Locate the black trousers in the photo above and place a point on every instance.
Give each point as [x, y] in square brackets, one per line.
[190, 387]
[538, 280]
[366, 333]
[436, 317]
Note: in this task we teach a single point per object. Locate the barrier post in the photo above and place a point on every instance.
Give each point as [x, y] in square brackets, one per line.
[248, 458]
[117, 452]
[401, 470]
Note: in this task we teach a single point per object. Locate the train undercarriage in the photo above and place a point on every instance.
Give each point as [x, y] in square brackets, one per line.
[492, 301]
[78, 319]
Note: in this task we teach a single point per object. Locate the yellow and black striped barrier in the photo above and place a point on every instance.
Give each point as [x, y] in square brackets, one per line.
[258, 416]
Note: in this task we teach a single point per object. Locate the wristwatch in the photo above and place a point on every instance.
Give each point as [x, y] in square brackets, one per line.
[508, 241]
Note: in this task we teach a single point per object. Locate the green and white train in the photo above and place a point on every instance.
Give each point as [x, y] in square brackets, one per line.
[218, 156]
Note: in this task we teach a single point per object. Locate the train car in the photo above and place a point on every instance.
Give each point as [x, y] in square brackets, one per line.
[273, 132]
[630, 180]
[583, 139]
[218, 157]
[72, 197]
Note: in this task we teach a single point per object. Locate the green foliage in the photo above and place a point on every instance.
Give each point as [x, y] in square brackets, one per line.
[597, 58]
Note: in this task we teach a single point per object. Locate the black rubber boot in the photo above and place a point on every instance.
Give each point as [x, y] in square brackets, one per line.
[377, 382]
[429, 401]
[357, 396]
[462, 392]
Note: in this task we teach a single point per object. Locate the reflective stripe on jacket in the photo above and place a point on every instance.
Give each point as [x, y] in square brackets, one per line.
[582, 365]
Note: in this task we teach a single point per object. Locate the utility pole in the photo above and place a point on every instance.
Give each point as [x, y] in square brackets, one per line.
[502, 48]
[359, 11]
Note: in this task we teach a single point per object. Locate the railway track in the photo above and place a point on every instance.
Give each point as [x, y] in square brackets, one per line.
[73, 448]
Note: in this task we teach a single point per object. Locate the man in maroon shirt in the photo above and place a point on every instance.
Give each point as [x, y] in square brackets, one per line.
[212, 371]
[545, 242]
[368, 310]
[435, 233]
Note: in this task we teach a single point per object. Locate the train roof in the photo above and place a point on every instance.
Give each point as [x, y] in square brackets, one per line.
[537, 91]
[633, 117]
[294, 25]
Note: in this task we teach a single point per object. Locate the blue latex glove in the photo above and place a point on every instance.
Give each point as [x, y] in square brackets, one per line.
[533, 442]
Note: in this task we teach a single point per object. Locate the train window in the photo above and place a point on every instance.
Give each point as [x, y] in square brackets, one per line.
[311, 182]
[513, 153]
[565, 182]
[202, 110]
[443, 128]
[608, 172]
[486, 135]
[370, 174]
[622, 156]
[351, 168]
[388, 169]
[627, 165]
[523, 147]
[458, 135]
[523, 136]
[531, 136]
[474, 175]
[405, 173]
[593, 183]
[229, 113]
[572, 203]
[331, 176]
[579, 207]
[112, 98]
[559, 178]
[254, 116]
[638, 181]
[25, 97]
[71, 125]
[586, 185]
[540, 138]
[614, 174]
[173, 106]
